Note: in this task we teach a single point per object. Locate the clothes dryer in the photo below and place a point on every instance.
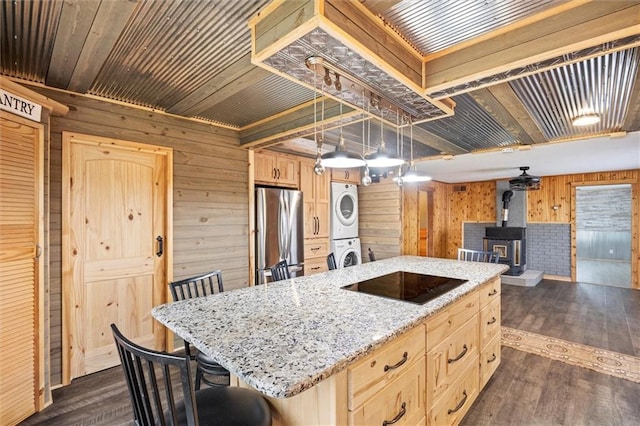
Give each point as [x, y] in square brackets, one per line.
[347, 252]
[344, 211]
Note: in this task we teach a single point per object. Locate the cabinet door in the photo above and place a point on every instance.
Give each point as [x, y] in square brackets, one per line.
[322, 194]
[286, 170]
[307, 186]
[21, 385]
[265, 168]
[346, 175]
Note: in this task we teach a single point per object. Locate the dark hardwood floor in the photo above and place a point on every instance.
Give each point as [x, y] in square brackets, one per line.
[590, 314]
[526, 389]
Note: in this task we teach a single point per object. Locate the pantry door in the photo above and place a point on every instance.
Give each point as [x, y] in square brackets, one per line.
[21, 298]
[116, 225]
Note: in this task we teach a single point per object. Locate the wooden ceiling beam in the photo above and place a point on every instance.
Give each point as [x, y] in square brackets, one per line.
[504, 106]
[74, 26]
[236, 77]
[292, 122]
[577, 25]
[107, 26]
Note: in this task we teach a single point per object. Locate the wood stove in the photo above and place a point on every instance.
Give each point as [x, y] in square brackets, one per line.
[510, 242]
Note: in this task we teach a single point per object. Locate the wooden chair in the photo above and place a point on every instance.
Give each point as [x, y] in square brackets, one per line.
[331, 262]
[280, 271]
[202, 285]
[372, 256]
[150, 377]
[478, 255]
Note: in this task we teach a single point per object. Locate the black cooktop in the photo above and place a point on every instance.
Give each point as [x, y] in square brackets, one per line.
[407, 286]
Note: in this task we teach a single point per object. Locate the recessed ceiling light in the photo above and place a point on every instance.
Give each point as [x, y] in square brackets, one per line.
[586, 120]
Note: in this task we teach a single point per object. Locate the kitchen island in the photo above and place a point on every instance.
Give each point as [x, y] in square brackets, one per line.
[301, 342]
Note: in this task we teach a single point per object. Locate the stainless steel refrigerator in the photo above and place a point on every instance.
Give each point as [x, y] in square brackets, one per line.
[279, 231]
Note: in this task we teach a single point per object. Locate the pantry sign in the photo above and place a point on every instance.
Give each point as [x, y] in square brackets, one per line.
[21, 106]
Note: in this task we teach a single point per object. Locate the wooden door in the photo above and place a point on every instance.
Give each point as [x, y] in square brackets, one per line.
[116, 196]
[21, 178]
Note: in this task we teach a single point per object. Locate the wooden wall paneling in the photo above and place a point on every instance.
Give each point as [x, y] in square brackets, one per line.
[380, 222]
[210, 191]
[440, 218]
[410, 220]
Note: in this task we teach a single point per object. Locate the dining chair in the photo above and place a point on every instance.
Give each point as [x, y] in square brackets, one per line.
[478, 255]
[154, 379]
[189, 288]
[372, 256]
[280, 271]
[331, 262]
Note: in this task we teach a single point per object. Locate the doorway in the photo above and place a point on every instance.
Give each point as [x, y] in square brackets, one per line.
[603, 234]
[116, 247]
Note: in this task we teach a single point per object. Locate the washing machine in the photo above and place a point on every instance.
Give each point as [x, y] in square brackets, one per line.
[347, 252]
[344, 211]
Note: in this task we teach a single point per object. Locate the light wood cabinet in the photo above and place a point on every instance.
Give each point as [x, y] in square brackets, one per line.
[490, 326]
[276, 169]
[388, 384]
[315, 194]
[456, 401]
[346, 175]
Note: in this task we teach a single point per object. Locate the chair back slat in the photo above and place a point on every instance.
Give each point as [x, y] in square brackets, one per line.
[144, 370]
[478, 255]
[280, 271]
[331, 262]
[202, 285]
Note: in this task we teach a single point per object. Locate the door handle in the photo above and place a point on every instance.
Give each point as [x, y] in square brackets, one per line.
[160, 241]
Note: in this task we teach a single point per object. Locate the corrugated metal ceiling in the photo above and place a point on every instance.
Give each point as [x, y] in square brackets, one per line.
[171, 48]
[437, 24]
[600, 85]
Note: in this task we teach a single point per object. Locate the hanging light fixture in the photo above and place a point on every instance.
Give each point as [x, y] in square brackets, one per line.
[412, 175]
[341, 158]
[381, 158]
[366, 179]
[318, 168]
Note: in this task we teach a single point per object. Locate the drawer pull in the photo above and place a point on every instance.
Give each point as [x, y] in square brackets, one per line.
[464, 351]
[405, 356]
[460, 404]
[493, 358]
[315, 268]
[493, 292]
[493, 319]
[315, 248]
[403, 410]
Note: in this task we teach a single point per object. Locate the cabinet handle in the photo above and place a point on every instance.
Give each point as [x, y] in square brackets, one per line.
[160, 246]
[451, 360]
[403, 410]
[493, 319]
[459, 406]
[346, 174]
[493, 292]
[273, 173]
[315, 248]
[278, 173]
[493, 358]
[315, 268]
[405, 356]
[317, 225]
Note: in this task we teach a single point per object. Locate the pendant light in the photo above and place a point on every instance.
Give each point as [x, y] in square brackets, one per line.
[412, 175]
[381, 158]
[318, 168]
[341, 158]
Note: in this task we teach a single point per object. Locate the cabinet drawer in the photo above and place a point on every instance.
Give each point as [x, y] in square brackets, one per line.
[377, 370]
[489, 360]
[455, 403]
[316, 247]
[315, 265]
[489, 322]
[489, 292]
[446, 322]
[402, 400]
[447, 361]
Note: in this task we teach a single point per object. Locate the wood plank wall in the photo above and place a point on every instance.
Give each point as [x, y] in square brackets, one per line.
[210, 192]
[476, 203]
[380, 219]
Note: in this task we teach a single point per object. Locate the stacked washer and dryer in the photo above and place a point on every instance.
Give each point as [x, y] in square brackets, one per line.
[345, 243]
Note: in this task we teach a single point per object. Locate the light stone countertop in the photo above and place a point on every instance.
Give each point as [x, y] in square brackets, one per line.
[282, 338]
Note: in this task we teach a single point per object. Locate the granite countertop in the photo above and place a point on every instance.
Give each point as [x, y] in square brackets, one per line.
[282, 338]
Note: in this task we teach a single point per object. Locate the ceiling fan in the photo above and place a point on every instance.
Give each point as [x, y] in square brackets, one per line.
[525, 181]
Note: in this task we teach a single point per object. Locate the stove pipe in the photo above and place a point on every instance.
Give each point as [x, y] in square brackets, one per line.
[506, 198]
